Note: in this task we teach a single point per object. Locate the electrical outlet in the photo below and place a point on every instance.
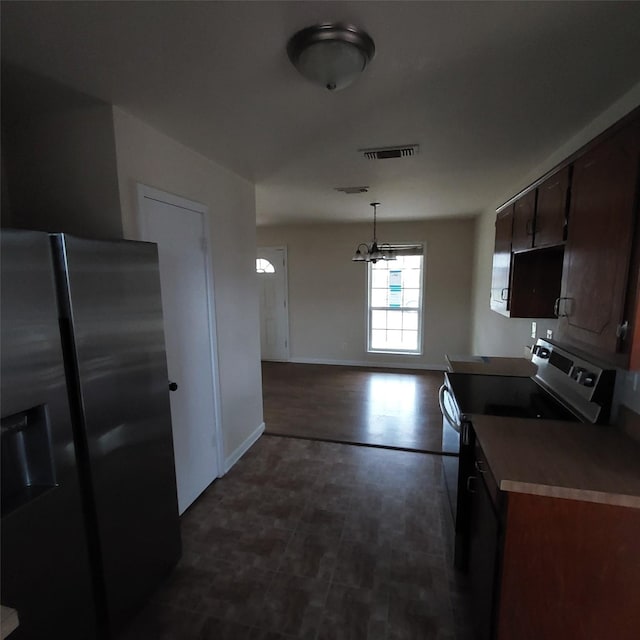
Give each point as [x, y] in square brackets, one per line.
[549, 334]
[533, 330]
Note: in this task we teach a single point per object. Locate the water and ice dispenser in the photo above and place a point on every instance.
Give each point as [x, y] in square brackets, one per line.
[27, 459]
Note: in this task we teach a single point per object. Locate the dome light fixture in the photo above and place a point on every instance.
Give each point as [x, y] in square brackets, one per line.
[331, 54]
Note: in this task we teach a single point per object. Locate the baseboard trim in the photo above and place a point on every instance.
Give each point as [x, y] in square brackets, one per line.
[372, 365]
[243, 448]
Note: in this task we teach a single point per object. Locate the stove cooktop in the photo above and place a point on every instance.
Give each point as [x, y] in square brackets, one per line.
[508, 396]
[567, 386]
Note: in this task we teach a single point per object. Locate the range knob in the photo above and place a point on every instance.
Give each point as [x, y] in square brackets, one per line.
[578, 373]
[588, 379]
[543, 353]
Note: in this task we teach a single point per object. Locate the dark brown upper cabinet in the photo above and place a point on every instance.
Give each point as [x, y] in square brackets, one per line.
[524, 284]
[596, 307]
[540, 215]
[523, 220]
[584, 245]
[501, 273]
[551, 210]
[535, 283]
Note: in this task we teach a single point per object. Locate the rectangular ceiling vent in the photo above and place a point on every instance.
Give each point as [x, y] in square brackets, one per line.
[384, 153]
[350, 190]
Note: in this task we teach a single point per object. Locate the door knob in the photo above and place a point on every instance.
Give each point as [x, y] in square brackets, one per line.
[172, 386]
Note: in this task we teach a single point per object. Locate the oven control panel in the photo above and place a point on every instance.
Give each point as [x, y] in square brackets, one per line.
[583, 385]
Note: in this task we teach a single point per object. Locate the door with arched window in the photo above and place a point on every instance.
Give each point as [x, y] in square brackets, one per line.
[271, 271]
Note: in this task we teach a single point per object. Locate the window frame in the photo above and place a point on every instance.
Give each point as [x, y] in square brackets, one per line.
[265, 270]
[419, 309]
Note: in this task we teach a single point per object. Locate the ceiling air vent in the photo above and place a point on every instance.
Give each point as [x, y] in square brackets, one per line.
[351, 190]
[384, 153]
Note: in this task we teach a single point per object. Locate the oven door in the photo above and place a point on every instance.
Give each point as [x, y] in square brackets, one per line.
[451, 425]
[450, 415]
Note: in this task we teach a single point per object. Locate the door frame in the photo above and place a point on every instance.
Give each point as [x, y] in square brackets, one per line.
[145, 192]
[287, 351]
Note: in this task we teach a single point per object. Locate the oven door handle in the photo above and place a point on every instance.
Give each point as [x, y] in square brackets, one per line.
[447, 416]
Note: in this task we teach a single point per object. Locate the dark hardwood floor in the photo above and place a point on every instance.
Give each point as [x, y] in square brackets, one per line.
[379, 407]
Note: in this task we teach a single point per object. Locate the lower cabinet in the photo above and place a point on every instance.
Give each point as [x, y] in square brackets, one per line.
[483, 557]
[570, 569]
[551, 568]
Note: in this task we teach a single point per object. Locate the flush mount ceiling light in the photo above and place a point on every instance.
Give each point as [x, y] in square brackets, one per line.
[331, 54]
[374, 252]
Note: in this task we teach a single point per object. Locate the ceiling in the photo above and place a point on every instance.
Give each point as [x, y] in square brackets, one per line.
[488, 91]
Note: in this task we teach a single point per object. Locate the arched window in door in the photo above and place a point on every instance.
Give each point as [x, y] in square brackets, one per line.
[264, 266]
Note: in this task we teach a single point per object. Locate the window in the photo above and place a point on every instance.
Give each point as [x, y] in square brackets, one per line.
[264, 266]
[395, 304]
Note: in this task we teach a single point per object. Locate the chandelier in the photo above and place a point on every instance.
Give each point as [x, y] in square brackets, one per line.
[374, 251]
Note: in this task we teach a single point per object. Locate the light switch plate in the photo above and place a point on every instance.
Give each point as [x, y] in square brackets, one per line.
[533, 330]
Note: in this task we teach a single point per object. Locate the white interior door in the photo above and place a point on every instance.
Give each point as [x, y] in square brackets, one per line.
[178, 227]
[274, 312]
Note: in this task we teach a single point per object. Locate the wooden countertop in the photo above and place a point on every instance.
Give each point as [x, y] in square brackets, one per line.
[585, 462]
[490, 365]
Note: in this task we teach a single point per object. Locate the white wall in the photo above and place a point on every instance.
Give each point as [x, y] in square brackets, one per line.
[327, 291]
[148, 156]
[493, 334]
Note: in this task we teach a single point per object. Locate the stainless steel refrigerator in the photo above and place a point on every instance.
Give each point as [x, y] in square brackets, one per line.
[91, 482]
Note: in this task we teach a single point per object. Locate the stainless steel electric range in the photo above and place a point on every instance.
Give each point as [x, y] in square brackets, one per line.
[567, 386]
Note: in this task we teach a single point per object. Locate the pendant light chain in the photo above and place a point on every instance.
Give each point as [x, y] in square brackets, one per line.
[374, 253]
[375, 210]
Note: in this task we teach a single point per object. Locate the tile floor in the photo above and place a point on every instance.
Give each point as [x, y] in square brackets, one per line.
[313, 540]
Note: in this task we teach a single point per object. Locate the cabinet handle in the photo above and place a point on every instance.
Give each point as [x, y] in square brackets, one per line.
[530, 227]
[442, 392]
[479, 465]
[471, 479]
[465, 434]
[556, 308]
[621, 330]
[504, 294]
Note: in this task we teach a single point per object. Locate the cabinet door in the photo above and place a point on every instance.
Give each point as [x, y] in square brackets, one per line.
[523, 214]
[535, 282]
[502, 262]
[601, 221]
[483, 551]
[570, 570]
[551, 210]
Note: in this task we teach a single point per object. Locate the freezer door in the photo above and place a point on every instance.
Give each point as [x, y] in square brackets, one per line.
[114, 309]
[45, 561]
